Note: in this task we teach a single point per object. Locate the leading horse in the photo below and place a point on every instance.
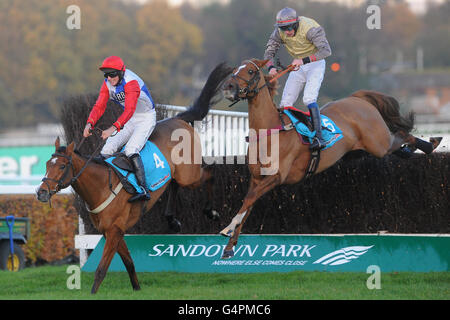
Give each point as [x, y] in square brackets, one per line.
[110, 211]
[369, 120]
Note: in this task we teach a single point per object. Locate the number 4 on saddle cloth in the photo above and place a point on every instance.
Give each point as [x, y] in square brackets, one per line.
[330, 131]
[156, 167]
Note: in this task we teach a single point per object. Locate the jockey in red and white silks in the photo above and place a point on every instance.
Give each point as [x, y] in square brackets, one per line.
[135, 124]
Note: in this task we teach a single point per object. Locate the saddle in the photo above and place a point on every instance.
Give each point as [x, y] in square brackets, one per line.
[302, 123]
[156, 167]
[120, 160]
[302, 116]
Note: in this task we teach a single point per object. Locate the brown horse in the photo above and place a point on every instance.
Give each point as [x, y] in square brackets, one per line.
[95, 183]
[370, 121]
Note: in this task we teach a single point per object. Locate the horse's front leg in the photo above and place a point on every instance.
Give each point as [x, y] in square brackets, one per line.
[113, 237]
[256, 190]
[129, 264]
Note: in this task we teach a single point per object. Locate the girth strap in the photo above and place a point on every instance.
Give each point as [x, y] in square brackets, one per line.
[269, 132]
[313, 163]
[108, 200]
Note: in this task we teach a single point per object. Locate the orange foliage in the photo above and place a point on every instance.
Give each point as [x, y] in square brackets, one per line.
[52, 229]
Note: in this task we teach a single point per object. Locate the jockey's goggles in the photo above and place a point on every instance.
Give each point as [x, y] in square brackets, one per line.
[111, 74]
[289, 27]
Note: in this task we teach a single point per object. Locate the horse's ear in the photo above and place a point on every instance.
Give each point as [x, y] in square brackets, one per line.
[261, 63]
[70, 148]
[57, 143]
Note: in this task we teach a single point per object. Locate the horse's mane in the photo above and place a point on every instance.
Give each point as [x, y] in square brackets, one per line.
[63, 149]
[272, 86]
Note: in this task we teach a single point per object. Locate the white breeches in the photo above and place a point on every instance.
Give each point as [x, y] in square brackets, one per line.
[310, 77]
[134, 134]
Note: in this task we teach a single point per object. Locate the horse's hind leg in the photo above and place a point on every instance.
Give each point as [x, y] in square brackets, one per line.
[113, 237]
[413, 143]
[398, 139]
[129, 264]
[209, 211]
[171, 207]
[425, 146]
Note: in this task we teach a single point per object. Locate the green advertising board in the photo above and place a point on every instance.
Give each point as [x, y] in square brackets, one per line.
[282, 253]
[23, 163]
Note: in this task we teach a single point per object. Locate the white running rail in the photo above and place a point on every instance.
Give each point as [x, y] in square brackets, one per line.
[222, 133]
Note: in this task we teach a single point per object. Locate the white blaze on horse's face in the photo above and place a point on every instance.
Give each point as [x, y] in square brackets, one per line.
[227, 92]
[53, 162]
[239, 69]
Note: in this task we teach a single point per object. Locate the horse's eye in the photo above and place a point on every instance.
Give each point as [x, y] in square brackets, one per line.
[62, 167]
[250, 71]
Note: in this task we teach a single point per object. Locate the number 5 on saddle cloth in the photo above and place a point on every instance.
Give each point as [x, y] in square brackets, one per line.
[330, 131]
[156, 167]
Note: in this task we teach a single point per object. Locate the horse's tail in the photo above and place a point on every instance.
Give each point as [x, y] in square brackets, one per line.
[206, 100]
[389, 110]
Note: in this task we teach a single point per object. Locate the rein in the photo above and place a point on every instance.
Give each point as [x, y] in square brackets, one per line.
[289, 68]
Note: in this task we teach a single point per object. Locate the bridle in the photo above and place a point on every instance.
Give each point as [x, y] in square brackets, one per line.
[247, 91]
[60, 184]
[255, 79]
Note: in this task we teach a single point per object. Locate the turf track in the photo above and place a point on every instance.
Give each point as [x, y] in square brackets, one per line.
[49, 282]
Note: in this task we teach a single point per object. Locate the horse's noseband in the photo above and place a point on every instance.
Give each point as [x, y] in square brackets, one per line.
[60, 183]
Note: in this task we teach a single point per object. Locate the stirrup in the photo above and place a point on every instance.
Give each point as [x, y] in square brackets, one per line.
[140, 196]
[317, 144]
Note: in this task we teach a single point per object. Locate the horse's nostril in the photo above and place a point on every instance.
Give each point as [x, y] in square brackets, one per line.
[42, 195]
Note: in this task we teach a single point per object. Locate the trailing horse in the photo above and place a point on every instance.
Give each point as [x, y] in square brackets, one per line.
[101, 189]
[368, 121]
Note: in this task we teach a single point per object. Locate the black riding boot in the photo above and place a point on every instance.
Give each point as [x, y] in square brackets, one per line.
[140, 177]
[318, 142]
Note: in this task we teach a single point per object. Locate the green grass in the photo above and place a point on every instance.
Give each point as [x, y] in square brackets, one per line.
[49, 282]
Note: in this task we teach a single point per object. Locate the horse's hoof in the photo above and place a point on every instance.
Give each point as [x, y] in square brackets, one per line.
[175, 225]
[211, 214]
[435, 141]
[226, 232]
[227, 254]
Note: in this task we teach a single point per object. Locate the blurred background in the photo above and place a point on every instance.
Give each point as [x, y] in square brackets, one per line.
[173, 45]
